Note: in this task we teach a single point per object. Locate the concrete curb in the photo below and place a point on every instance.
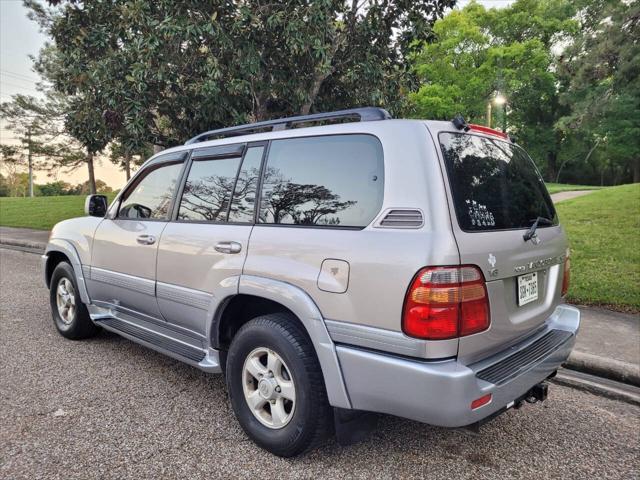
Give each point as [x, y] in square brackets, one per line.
[604, 367]
[598, 386]
[12, 242]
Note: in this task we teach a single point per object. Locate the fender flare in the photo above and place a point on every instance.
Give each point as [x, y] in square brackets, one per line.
[65, 247]
[301, 304]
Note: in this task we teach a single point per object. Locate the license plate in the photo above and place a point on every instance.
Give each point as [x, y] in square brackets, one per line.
[527, 288]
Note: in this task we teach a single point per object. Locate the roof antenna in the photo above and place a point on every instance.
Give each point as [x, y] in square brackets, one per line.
[459, 123]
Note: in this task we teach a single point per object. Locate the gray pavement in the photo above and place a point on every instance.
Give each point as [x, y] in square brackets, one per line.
[108, 408]
[24, 237]
[560, 196]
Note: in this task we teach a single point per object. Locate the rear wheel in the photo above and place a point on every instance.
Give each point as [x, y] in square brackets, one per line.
[70, 315]
[276, 385]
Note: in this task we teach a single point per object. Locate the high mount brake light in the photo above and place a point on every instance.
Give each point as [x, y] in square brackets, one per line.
[446, 302]
[489, 131]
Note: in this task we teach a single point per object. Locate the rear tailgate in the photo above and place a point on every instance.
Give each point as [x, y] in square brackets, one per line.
[495, 194]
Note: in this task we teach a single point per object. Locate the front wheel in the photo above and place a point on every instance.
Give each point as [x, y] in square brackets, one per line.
[70, 315]
[276, 385]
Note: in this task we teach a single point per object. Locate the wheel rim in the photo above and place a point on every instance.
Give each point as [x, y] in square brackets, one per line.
[269, 388]
[66, 300]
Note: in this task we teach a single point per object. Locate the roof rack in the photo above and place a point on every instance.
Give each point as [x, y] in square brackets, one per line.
[365, 114]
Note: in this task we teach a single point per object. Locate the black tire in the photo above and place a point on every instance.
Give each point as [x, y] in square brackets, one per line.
[80, 325]
[312, 419]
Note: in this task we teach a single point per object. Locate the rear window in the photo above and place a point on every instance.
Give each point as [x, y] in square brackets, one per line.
[495, 184]
[332, 181]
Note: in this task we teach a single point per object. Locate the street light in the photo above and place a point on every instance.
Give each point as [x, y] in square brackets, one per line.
[499, 99]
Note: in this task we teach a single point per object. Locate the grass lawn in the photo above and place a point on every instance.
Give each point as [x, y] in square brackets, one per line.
[41, 213]
[604, 233]
[565, 187]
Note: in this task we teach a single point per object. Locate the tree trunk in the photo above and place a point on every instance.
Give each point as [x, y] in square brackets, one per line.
[636, 170]
[127, 166]
[313, 93]
[552, 165]
[92, 176]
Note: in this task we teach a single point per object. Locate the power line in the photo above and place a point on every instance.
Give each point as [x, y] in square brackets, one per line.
[18, 76]
[18, 86]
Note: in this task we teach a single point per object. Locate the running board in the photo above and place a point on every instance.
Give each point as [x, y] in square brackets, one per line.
[162, 342]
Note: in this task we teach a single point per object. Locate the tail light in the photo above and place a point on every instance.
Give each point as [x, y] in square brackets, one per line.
[566, 277]
[446, 302]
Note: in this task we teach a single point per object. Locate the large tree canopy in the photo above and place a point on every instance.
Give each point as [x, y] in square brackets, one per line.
[601, 73]
[478, 53]
[161, 70]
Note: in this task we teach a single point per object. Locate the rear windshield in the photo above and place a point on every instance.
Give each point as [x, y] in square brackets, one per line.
[495, 184]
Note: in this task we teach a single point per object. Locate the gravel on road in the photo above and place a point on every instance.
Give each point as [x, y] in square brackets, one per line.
[108, 408]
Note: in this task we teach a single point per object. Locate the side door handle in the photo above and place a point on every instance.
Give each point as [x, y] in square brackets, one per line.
[146, 239]
[228, 247]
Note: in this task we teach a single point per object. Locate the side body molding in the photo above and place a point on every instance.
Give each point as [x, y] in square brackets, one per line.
[67, 248]
[306, 310]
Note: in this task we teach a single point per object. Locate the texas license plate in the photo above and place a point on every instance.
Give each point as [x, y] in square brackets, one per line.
[527, 288]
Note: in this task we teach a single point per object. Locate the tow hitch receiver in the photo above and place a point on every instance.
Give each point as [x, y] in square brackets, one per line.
[537, 393]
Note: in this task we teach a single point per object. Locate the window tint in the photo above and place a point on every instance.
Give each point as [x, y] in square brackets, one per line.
[244, 194]
[333, 181]
[495, 184]
[208, 188]
[151, 196]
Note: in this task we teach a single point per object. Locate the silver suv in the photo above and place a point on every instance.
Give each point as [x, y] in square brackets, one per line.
[331, 264]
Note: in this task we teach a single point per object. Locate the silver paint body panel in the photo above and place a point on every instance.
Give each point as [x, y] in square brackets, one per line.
[174, 289]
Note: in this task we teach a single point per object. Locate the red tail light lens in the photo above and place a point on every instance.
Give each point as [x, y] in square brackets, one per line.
[566, 277]
[446, 302]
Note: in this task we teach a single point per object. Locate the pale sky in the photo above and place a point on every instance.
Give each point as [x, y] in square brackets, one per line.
[19, 38]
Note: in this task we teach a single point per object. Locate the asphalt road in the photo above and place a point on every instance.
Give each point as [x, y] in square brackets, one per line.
[107, 408]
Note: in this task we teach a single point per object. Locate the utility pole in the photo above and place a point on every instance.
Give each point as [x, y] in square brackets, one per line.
[30, 161]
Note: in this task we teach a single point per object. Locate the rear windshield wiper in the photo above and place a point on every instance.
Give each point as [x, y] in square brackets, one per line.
[532, 230]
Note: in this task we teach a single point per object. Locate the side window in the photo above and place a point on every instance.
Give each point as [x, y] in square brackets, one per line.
[335, 180]
[150, 197]
[207, 191]
[244, 194]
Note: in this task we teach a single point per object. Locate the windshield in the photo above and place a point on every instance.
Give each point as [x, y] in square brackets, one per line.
[495, 184]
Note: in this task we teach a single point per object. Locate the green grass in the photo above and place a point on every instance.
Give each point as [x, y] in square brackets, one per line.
[565, 187]
[604, 233]
[40, 213]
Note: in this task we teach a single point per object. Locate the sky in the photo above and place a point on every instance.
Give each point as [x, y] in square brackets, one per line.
[19, 38]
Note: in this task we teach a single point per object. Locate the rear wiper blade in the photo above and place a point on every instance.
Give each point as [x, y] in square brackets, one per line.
[532, 230]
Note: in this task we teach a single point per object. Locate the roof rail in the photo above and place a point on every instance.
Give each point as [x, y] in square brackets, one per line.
[365, 114]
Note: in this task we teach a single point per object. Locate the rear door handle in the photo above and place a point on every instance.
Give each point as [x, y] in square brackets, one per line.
[146, 239]
[228, 247]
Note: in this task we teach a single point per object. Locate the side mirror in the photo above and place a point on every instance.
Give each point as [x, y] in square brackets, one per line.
[95, 205]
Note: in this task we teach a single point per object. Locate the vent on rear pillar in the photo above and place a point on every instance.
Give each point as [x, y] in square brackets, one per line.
[401, 218]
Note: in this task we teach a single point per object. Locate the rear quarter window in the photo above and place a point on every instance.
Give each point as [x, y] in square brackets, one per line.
[331, 181]
[495, 184]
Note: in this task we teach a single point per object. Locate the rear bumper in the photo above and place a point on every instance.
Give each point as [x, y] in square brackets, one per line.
[440, 392]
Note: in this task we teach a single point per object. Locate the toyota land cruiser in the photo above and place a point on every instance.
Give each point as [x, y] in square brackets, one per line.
[328, 264]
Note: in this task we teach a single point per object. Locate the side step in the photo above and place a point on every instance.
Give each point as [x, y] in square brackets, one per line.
[178, 348]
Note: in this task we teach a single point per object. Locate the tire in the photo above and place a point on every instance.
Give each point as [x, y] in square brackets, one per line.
[72, 318]
[291, 427]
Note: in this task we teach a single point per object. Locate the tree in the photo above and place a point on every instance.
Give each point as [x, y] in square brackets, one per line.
[55, 189]
[127, 158]
[45, 145]
[601, 74]
[160, 71]
[4, 186]
[477, 53]
[12, 162]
